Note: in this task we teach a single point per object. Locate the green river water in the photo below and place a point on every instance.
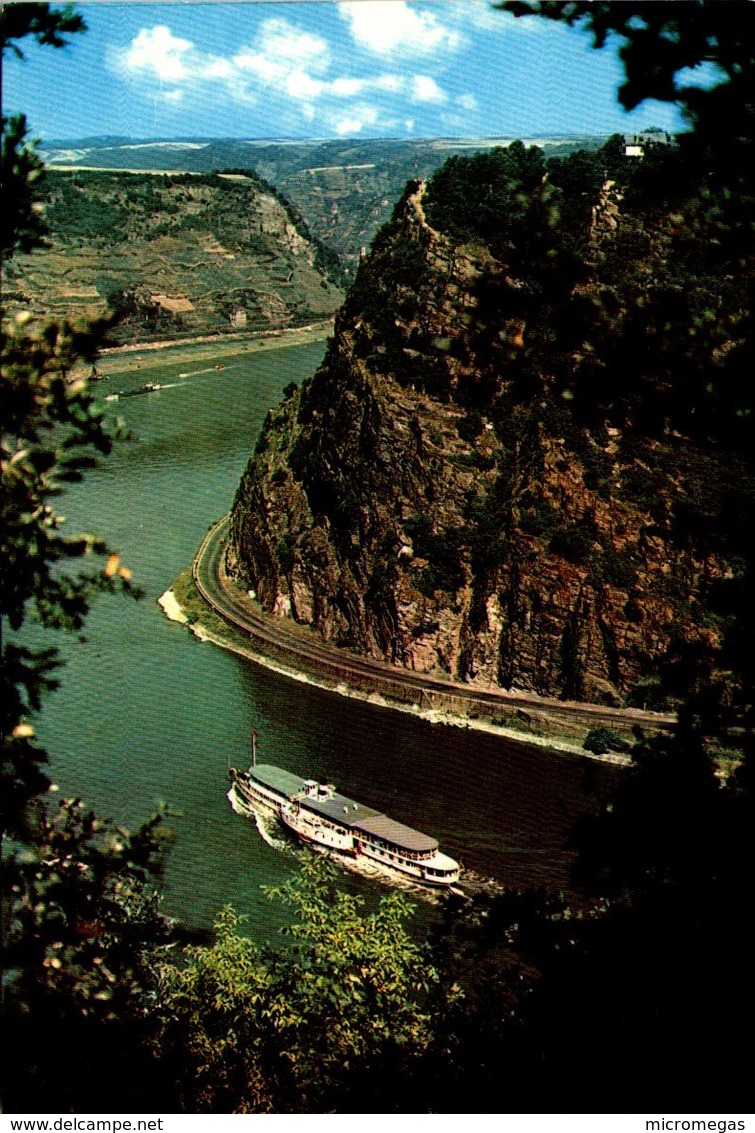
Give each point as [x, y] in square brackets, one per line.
[146, 712]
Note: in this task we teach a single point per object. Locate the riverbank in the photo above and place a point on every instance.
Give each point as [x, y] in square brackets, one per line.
[114, 361]
[184, 604]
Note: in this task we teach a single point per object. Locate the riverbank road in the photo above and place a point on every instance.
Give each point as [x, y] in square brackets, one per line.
[301, 651]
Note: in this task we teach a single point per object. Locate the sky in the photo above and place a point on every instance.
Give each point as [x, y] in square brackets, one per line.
[321, 69]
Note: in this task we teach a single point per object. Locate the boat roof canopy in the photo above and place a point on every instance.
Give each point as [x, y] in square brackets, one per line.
[277, 779]
[339, 809]
[404, 836]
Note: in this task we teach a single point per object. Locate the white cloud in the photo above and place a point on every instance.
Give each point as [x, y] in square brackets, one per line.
[347, 88]
[218, 68]
[392, 83]
[425, 89]
[482, 16]
[467, 102]
[348, 126]
[283, 56]
[386, 26]
[156, 52]
[354, 123]
[293, 70]
[280, 40]
[269, 70]
[301, 85]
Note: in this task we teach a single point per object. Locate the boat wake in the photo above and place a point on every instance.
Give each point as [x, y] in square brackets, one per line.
[270, 830]
[364, 868]
[151, 387]
[196, 373]
[472, 883]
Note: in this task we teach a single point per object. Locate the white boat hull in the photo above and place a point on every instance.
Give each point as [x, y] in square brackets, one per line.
[308, 822]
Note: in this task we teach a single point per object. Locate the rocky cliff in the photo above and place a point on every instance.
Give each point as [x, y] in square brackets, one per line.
[172, 256]
[434, 495]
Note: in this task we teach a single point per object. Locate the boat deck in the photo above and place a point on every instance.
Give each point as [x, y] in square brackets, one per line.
[276, 779]
[343, 811]
[337, 808]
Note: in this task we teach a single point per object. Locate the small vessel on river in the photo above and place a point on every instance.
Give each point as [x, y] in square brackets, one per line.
[151, 387]
[317, 813]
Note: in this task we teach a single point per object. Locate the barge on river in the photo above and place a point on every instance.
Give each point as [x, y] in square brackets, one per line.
[317, 813]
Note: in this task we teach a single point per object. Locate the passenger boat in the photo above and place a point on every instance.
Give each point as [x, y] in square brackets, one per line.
[317, 813]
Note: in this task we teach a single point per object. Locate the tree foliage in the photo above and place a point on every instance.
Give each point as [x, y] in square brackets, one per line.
[85, 915]
[51, 433]
[487, 197]
[79, 893]
[600, 740]
[699, 55]
[333, 1019]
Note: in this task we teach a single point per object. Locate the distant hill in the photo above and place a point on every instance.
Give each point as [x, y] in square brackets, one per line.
[344, 190]
[174, 255]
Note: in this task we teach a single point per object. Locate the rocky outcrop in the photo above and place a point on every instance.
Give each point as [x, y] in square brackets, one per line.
[411, 504]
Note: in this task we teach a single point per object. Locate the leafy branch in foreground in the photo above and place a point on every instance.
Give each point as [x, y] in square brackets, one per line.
[333, 1018]
[86, 914]
[47, 25]
[80, 893]
[51, 433]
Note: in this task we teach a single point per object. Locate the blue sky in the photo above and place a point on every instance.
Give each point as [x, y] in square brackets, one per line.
[327, 69]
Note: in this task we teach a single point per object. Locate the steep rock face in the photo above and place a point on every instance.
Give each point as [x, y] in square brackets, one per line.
[410, 504]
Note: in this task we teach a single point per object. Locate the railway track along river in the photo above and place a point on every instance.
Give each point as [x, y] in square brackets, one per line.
[296, 648]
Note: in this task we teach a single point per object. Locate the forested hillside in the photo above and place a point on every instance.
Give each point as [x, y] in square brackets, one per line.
[345, 189]
[171, 256]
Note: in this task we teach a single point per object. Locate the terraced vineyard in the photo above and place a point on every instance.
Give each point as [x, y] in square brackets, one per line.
[171, 256]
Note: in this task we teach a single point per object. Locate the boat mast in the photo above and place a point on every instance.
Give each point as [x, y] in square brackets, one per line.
[254, 748]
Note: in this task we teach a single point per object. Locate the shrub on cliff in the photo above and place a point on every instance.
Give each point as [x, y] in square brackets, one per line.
[602, 740]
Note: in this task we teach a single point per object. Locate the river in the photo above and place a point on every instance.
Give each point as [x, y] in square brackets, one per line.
[146, 712]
